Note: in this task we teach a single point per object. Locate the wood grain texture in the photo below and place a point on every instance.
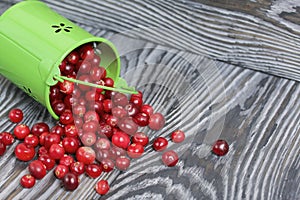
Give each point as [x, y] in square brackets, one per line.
[258, 114]
[261, 35]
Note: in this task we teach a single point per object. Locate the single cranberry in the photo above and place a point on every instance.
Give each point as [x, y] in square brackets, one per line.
[91, 115]
[56, 151]
[112, 121]
[37, 169]
[87, 52]
[141, 119]
[170, 158]
[7, 138]
[131, 109]
[84, 78]
[55, 93]
[24, 153]
[58, 107]
[156, 121]
[70, 181]
[66, 87]
[119, 99]
[102, 144]
[77, 168]
[146, 108]
[21, 131]
[66, 117]
[160, 144]
[116, 152]
[15, 115]
[70, 130]
[39, 128]
[122, 163]
[128, 126]
[90, 126]
[140, 138]
[107, 165]
[177, 136]
[137, 101]
[73, 57]
[138, 95]
[83, 67]
[135, 150]
[109, 93]
[105, 130]
[27, 181]
[60, 171]
[59, 130]
[42, 151]
[2, 148]
[67, 69]
[86, 155]
[96, 60]
[78, 122]
[93, 170]
[42, 138]
[97, 73]
[107, 105]
[70, 144]
[121, 140]
[66, 160]
[31, 140]
[99, 97]
[90, 96]
[50, 139]
[97, 107]
[102, 187]
[88, 138]
[79, 110]
[70, 101]
[47, 161]
[220, 148]
[109, 82]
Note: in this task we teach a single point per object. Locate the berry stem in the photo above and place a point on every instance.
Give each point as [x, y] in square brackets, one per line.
[62, 78]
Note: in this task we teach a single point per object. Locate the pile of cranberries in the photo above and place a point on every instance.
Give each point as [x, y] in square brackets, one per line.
[97, 130]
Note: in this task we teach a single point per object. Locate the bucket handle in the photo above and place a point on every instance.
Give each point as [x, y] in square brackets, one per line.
[128, 90]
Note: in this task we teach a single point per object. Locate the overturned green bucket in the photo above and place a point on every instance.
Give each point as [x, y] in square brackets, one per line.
[34, 40]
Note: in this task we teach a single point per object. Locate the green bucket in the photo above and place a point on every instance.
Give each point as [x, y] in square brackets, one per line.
[34, 40]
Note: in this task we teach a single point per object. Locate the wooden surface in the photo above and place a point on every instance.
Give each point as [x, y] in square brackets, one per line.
[257, 113]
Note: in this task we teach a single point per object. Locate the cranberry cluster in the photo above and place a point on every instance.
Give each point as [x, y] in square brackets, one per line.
[97, 130]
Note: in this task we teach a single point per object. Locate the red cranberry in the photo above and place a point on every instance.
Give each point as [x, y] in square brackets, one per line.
[60, 171]
[39, 128]
[55, 93]
[70, 101]
[90, 126]
[66, 87]
[140, 138]
[112, 121]
[42, 138]
[119, 99]
[135, 150]
[131, 109]
[93, 170]
[21, 131]
[70, 144]
[102, 154]
[220, 148]
[121, 140]
[56, 151]
[77, 168]
[177, 136]
[102, 187]
[24, 153]
[109, 82]
[128, 126]
[138, 102]
[119, 112]
[42, 151]
[71, 130]
[96, 60]
[37, 169]
[84, 78]
[160, 144]
[7, 138]
[97, 107]
[105, 130]
[91, 116]
[2, 148]
[170, 158]
[102, 144]
[147, 109]
[70, 181]
[122, 163]
[67, 68]
[138, 95]
[90, 96]
[27, 181]
[66, 160]
[97, 73]
[59, 130]
[141, 119]
[73, 57]
[87, 52]
[86, 155]
[88, 139]
[116, 152]
[66, 117]
[156, 121]
[107, 105]
[15, 115]
[83, 66]
[47, 161]
[31, 140]
[107, 165]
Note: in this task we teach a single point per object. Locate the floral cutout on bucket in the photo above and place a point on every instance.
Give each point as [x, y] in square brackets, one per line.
[61, 27]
